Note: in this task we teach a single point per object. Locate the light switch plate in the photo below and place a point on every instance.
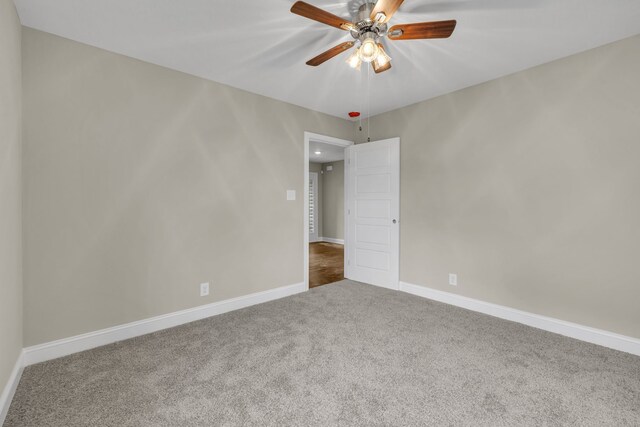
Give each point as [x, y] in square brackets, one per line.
[291, 194]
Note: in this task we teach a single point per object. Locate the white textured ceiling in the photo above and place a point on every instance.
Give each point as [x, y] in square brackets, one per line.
[328, 152]
[261, 47]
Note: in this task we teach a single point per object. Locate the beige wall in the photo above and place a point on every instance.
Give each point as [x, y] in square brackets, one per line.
[317, 168]
[333, 200]
[10, 191]
[142, 182]
[528, 187]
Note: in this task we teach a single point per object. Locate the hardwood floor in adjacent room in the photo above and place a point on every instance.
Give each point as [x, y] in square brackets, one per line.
[326, 263]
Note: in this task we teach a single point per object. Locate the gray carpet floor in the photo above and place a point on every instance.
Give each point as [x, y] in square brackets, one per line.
[341, 354]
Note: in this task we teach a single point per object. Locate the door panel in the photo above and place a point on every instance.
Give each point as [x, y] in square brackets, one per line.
[373, 208]
[373, 234]
[373, 183]
[377, 260]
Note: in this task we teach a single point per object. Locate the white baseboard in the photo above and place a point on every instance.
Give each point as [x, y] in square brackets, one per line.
[10, 388]
[332, 240]
[63, 347]
[573, 330]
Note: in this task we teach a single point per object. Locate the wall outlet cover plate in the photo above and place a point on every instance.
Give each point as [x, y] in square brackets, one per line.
[453, 279]
[204, 289]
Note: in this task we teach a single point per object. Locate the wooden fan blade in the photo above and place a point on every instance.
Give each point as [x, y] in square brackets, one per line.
[309, 11]
[386, 7]
[422, 30]
[325, 56]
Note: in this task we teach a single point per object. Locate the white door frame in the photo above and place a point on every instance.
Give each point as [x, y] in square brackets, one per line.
[316, 236]
[308, 137]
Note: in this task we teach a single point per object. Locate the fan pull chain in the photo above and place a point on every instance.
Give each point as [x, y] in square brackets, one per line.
[368, 105]
[360, 99]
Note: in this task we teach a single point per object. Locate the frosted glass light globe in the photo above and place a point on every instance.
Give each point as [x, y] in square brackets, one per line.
[368, 50]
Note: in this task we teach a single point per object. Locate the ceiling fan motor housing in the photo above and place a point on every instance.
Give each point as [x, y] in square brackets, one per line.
[364, 12]
[365, 24]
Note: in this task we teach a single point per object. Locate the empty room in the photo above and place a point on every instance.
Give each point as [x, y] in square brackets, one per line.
[316, 213]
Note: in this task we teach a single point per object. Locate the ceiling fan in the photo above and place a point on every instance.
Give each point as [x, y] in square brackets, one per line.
[369, 28]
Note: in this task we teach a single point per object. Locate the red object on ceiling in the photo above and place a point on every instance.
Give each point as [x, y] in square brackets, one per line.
[354, 114]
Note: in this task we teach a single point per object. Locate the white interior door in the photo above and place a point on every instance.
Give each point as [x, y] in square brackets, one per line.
[313, 207]
[373, 209]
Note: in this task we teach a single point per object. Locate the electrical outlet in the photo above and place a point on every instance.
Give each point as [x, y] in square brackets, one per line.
[453, 279]
[204, 289]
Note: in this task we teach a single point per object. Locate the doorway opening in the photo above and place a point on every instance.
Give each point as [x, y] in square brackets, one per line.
[324, 209]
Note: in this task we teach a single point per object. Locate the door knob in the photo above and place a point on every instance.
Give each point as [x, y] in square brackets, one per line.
[394, 221]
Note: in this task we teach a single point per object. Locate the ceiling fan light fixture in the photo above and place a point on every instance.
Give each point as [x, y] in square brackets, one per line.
[354, 60]
[382, 59]
[368, 50]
